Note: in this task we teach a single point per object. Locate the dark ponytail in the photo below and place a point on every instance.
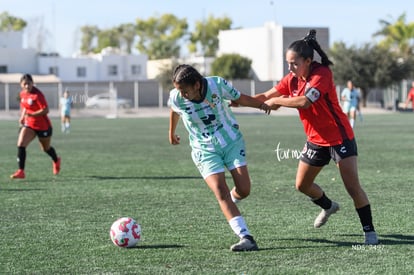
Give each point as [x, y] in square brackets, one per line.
[306, 46]
[310, 39]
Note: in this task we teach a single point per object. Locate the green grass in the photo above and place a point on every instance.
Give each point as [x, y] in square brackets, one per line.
[126, 167]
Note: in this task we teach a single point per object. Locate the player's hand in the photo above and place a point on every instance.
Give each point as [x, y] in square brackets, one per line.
[234, 104]
[266, 108]
[272, 105]
[175, 139]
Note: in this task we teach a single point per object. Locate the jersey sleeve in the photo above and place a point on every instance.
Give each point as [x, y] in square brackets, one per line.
[229, 92]
[283, 86]
[172, 101]
[321, 81]
[42, 103]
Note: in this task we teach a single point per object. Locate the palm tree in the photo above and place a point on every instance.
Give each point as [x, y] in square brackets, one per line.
[398, 36]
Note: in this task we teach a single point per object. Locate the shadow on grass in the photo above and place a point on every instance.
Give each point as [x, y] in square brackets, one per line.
[392, 239]
[318, 240]
[20, 189]
[157, 246]
[144, 178]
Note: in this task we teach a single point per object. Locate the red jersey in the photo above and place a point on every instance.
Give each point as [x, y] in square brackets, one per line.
[32, 102]
[411, 96]
[324, 122]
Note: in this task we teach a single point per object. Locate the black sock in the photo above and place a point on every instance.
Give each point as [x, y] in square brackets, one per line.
[52, 153]
[21, 157]
[323, 202]
[365, 217]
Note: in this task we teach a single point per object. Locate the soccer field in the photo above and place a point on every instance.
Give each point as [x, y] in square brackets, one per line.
[126, 167]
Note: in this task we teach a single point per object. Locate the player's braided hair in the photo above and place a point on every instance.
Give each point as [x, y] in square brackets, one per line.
[307, 45]
[186, 74]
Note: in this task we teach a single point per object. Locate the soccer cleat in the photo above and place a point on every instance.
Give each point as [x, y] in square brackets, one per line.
[247, 243]
[56, 167]
[322, 218]
[19, 174]
[371, 238]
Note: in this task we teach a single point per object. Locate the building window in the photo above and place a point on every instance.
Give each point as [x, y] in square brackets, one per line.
[54, 70]
[3, 69]
[135, 69]
[81, 71]
[113, 70]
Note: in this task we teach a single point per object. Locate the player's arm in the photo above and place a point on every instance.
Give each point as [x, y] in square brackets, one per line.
[40, 112]
[174, 118]
[299, 102]
[22, 116]
[268, 94]
[245, 100]
[271, 98]
[310, 96]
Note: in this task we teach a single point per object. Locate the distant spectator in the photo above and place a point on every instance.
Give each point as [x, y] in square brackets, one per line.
[65, 105]
[350, 101]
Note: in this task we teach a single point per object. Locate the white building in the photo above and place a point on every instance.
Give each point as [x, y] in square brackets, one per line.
[13, 58]
[109, 65]
[266, 46]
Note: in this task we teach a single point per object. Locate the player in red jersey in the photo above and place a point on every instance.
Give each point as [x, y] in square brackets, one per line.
[34, 122]
[410, 97]
[309, 87]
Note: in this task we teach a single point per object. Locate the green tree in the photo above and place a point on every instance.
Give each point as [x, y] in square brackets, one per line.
[369, 66]
[108, 38]
[89, 35]
[397, 36]
[127, 34]
[11, 23]
[232, 66]
[158, 37]
[206, 33]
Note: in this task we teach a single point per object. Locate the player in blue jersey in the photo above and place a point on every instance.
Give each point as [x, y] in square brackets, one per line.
[215, 139]
[65, 104]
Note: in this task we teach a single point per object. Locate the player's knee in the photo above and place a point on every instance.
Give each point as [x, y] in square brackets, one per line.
[301, 187]
[243, 193]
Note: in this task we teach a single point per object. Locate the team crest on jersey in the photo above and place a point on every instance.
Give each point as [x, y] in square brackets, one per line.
[28, 100]
[215, 99]
[312, 94]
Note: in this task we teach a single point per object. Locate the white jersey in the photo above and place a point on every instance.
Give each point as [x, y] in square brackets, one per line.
[210, 122]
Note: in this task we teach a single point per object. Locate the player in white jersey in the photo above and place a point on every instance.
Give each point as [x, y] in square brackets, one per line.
[215, 139]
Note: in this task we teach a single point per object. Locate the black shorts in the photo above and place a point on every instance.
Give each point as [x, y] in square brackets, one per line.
[42, 133]
[316, 155]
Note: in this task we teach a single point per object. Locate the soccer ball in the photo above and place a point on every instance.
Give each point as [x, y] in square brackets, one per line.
[125, 232]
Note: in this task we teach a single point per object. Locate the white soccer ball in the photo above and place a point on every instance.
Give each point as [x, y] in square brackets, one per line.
[125, 232]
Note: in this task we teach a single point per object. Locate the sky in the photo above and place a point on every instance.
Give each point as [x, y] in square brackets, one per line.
[351, 21]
